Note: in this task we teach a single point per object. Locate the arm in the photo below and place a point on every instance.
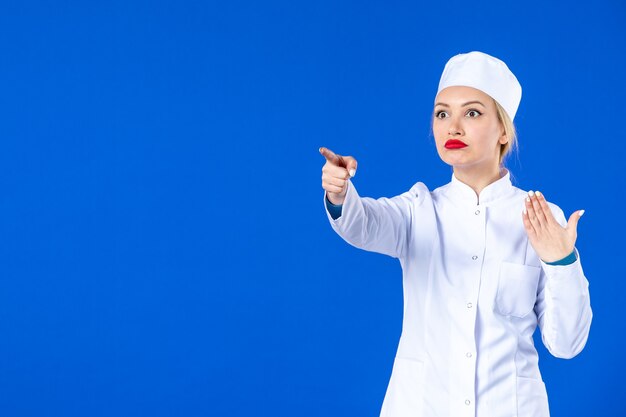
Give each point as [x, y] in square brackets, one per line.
[563, 305]
[563, 309]
[380, 225]
[377, 225]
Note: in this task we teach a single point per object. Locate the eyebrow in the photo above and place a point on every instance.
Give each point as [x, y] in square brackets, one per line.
[464, 104]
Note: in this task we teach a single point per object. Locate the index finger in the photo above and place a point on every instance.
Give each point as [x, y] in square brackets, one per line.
[331, 156]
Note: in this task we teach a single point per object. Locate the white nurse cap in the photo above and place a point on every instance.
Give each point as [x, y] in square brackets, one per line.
[486, 73]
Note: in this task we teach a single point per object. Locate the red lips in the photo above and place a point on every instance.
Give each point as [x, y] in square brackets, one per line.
[455, 144]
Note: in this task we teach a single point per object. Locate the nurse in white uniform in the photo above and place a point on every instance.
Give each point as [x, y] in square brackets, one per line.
[483, 261]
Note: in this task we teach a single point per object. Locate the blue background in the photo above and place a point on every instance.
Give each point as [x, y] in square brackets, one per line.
[164, 247]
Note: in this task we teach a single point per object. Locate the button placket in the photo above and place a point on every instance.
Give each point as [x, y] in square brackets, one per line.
[466, 358]
[477, 213]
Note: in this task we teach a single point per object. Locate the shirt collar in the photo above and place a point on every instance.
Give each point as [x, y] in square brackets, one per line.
[500, 188]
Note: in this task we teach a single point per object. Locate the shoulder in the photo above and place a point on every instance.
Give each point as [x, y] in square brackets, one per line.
[419, 192]
[419, 187]
[443, 189]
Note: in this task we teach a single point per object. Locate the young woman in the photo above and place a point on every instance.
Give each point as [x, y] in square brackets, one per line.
[483, 262]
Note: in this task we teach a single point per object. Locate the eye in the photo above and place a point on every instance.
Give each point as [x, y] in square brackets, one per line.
[439, 113]
[473, 113]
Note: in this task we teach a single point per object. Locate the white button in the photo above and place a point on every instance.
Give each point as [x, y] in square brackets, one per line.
[469, 305]
[474, 257]
[477, 212]
[468, 354]
[467, 402]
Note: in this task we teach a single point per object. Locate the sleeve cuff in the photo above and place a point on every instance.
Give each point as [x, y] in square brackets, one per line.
[569, 259]
[333, 209]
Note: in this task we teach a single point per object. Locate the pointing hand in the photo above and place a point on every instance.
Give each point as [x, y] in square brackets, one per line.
[335, 174]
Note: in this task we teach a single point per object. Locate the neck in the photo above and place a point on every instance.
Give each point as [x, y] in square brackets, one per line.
[478, 177]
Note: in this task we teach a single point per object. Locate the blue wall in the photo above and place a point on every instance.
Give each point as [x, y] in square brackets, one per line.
[164, 247]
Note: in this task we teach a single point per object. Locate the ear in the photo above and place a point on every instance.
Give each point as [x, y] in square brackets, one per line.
[503, 138]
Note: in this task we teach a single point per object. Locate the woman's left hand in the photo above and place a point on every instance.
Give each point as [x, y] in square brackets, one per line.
[550, 240]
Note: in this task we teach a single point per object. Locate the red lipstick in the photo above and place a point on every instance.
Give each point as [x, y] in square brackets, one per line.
[455, 144]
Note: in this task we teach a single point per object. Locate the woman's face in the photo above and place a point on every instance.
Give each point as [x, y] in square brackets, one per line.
[467, 131]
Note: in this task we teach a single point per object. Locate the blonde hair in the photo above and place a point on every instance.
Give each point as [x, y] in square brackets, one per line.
[509, 131]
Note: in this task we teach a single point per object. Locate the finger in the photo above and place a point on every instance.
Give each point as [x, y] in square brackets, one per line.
[332, 188]
[541, 216]
[351, 165]
[572, 223]
[332, 157]
[532, 215]
[339, 182]
[527, 224]
[545, 208]
[335, 171]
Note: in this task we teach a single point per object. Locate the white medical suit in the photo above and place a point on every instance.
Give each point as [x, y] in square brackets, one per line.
[474, 292]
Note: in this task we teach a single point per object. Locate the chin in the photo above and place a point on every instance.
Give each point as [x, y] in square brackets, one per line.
[452, 160]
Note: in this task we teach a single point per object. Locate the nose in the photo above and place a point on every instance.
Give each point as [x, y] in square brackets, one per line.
[455, 127]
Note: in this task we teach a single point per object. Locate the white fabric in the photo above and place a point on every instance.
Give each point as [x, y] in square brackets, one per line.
[474, 292]
[485, 73]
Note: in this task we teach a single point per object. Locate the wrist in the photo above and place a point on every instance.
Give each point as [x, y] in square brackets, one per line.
[335, 199]
[569, 259]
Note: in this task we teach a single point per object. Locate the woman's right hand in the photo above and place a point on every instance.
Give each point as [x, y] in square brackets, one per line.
[335, 174]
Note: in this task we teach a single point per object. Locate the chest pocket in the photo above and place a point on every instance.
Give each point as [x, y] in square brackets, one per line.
[517, 289]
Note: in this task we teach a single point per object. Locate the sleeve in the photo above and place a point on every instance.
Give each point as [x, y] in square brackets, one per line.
[333, 209]
[563, 305]
[377, 225]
